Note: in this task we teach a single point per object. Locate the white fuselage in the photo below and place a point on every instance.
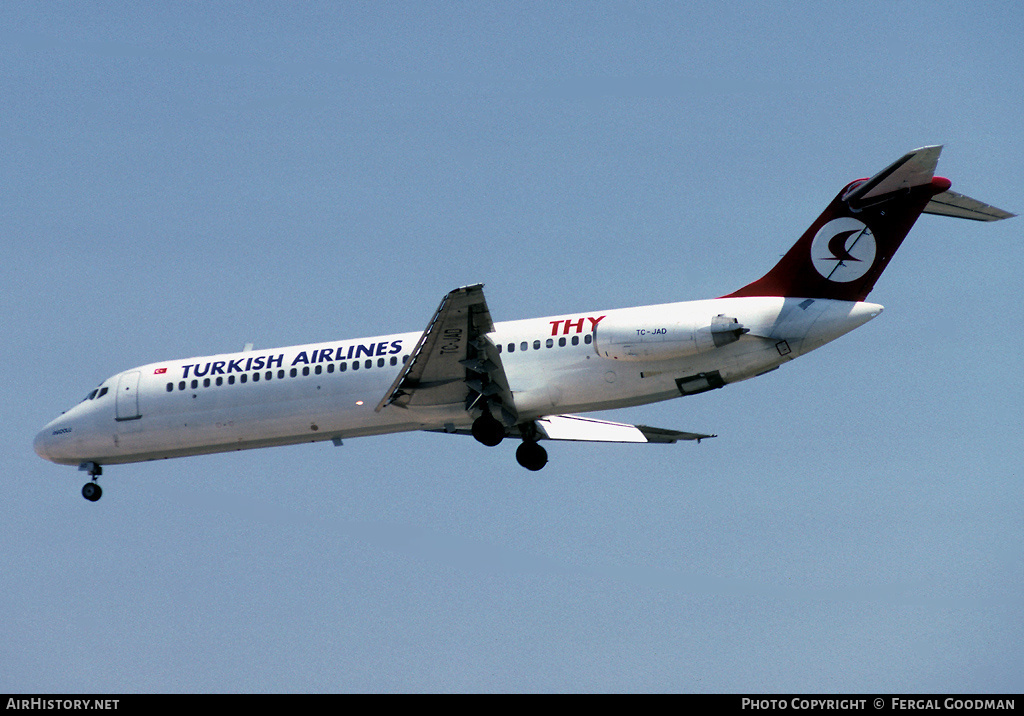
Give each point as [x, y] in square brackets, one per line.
[329, 391]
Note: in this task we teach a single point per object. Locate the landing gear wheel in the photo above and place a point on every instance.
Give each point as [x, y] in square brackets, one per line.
[91, 491]
[531, 455]
[488, 430]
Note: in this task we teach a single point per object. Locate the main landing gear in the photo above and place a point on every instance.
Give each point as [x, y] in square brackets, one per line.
[91, 490]
[489, 431]
[531, 455]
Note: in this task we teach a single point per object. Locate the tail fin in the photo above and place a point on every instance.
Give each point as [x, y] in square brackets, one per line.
[844, 252]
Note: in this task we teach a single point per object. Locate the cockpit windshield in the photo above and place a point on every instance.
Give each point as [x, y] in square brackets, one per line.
[97, 393]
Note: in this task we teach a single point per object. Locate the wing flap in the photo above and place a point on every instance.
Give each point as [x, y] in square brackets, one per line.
[574, 427]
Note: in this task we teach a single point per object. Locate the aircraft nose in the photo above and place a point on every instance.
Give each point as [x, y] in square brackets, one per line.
[42, 444]
[48, 440]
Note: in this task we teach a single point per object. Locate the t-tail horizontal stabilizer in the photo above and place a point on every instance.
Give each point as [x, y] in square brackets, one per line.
[949, 203]
[844, 252]
[574, 427]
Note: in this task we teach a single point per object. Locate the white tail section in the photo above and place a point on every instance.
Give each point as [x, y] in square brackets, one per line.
[949, 203]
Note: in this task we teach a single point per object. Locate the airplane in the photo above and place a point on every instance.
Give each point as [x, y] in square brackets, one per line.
[525, 379]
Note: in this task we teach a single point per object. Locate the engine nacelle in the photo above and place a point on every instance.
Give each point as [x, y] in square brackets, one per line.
[663, 338]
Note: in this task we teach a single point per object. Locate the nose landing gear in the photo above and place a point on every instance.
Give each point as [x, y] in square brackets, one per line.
[91, 490]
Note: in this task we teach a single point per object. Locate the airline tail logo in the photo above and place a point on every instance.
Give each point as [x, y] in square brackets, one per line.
[843, 250]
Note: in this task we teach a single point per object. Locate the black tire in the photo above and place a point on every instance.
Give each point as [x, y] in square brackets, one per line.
[91, 491]
[531, 456]
[488, 430]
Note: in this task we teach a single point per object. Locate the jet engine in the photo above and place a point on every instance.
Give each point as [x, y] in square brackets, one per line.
[628, 339]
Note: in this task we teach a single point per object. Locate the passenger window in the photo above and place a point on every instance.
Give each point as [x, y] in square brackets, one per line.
[524, 346]
[343, 367]
[293, 372]
[536, 345]
[394, 361]
[588, 338]
[220, 380]
[181, 385]
[549, 343]
[244, 377]
[280, 374]
[231, 380]
[355, 365]
[206, 382]
[318, 370]
[170, 387]
[380, 362]
[330, 367]
[255, 377]
[305, 370]
[561, 342]
[511, 347]
[269, 375]
[575, 340]
[368, 363]
[195, 384]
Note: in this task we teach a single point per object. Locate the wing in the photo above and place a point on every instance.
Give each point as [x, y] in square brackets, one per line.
[454, 361]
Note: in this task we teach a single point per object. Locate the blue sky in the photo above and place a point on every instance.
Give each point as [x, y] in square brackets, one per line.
[184, 178]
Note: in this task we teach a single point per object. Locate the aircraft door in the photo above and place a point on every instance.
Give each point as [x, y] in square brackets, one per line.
[127, 405]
